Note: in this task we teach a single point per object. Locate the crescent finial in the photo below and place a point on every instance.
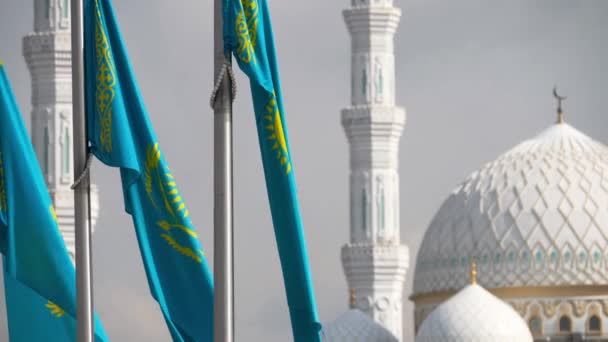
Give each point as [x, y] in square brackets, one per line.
[560, 99]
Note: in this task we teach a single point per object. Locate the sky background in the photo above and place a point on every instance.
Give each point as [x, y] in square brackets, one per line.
[475, 77]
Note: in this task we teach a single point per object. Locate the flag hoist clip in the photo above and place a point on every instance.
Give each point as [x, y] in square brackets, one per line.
[85, 172]
[226, 68]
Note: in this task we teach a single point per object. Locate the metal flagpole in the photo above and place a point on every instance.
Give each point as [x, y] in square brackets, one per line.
[84, 290]
[223, 302]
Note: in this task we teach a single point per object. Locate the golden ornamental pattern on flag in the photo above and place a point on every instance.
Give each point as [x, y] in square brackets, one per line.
[106, 84]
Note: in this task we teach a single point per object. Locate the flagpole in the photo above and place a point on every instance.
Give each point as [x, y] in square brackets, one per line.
[223, 301]
[84, 289]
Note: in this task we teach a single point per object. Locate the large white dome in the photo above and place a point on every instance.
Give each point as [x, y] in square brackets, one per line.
[474, 315]
[536, 216]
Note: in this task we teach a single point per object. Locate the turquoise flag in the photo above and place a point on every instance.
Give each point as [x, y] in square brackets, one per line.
[121, 135]
[39, 277]
[248, 34]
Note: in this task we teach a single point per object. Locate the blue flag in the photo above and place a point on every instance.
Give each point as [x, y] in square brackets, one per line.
[39, 277]
[248, 34]
[121, 135]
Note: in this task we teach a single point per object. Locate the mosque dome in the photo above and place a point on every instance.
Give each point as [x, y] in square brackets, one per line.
[355, 326]
[536, 216]
[474, 315]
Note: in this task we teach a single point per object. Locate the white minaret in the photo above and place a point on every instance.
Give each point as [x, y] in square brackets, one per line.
[47, 52]
[375, 262]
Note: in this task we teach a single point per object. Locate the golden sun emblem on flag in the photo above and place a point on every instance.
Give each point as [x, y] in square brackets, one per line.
[165, 198]
[276, 134]
[55, 309]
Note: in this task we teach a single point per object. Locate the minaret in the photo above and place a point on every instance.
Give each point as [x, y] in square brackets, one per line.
[375, 262]
[47, 52]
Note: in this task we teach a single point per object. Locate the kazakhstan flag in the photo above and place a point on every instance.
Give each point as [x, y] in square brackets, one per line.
[248, 34]
[39, 277]
[121, 135]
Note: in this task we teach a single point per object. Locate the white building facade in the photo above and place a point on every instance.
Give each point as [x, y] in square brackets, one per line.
[375, 262]
[47, 52]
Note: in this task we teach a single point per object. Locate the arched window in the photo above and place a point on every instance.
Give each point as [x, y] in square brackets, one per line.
[565, 324]
[594, 324]
[536, 325]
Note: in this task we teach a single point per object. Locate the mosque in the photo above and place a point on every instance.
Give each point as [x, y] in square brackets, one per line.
[516, 253]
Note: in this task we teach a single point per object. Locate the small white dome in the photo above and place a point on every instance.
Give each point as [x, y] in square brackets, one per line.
[474, 315]
[355, 326]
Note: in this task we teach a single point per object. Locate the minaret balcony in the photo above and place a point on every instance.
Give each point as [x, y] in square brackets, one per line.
[47, 42]
[373, 121]
[382, 265]
[372, 19]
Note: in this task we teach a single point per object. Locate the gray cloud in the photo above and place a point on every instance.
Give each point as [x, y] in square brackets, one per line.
[475, 77]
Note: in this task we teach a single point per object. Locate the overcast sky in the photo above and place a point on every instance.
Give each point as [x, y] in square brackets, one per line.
[474, 75]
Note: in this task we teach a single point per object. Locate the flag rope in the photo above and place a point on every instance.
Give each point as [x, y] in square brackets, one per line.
[226, 67]
[85, 172]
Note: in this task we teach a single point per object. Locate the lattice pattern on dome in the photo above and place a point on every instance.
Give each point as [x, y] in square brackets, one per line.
[536, 216]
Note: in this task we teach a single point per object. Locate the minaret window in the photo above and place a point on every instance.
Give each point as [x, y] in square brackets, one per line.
[65, 9]
[47, 8]
[66, 152]
[380, 208]
[363, 209]
[381, 212]
[565, 324]
[379, 80]
[364, 82]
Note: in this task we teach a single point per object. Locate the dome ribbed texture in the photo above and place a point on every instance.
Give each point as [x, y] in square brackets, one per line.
[355, 326]
[536, 216]
[474, 315]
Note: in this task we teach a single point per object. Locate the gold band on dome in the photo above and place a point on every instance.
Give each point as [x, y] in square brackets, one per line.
[1, 63]
[517, 292]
